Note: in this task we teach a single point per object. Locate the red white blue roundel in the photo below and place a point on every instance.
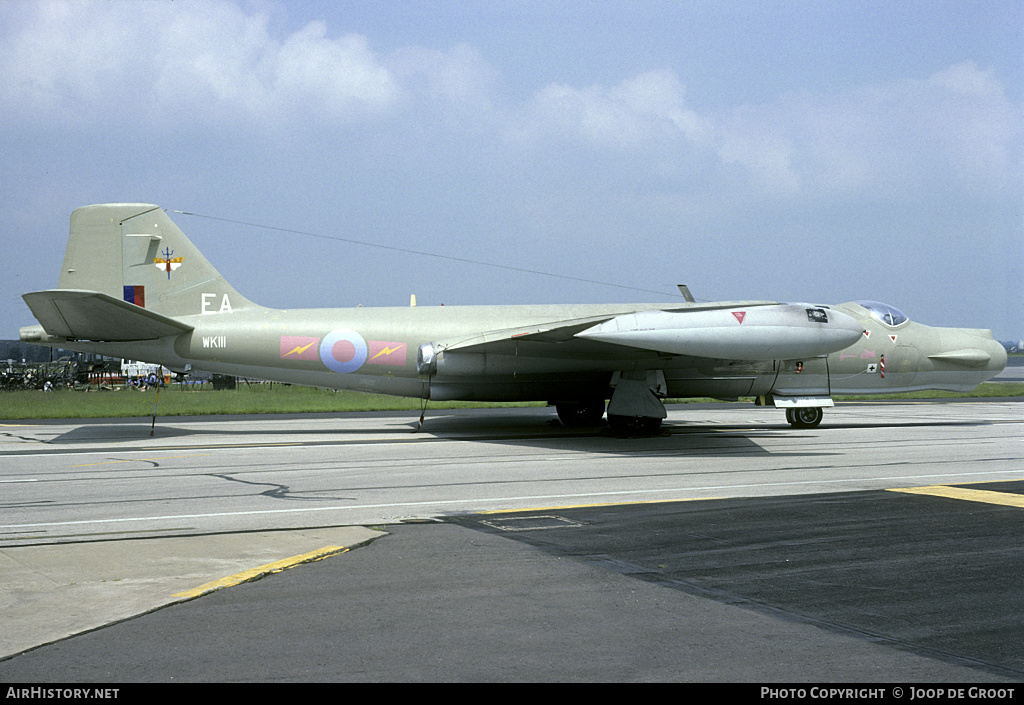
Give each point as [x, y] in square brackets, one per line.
[343, 350]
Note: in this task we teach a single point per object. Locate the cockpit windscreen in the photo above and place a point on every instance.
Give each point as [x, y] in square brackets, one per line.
[889, 315]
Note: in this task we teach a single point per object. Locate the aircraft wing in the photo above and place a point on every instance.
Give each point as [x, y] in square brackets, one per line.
[89, 315]
[567, 332]
[499, 340]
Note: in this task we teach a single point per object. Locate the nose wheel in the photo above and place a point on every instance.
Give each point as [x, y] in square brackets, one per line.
[805, 416]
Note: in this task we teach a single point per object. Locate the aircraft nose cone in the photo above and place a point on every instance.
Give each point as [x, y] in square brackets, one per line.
[997, 355]
[971, 348]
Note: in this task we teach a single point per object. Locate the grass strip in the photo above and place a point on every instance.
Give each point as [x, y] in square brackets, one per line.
[275, 398]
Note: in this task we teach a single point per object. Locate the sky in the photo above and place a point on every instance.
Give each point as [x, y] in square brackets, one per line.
[333, 154]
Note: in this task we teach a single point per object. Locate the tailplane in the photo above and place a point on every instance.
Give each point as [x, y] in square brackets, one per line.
[69, 314]
[133, 252]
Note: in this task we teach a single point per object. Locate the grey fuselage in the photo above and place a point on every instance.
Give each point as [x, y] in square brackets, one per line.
[288, 346]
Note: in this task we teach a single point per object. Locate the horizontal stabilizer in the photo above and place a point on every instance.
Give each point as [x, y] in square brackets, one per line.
[89, 315]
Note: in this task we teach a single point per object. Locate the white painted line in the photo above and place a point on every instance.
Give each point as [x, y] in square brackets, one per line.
[480, 501]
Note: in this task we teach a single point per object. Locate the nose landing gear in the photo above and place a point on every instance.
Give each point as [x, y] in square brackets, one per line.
[804, 416]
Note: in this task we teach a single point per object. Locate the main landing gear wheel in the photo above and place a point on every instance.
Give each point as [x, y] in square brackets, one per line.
[634, 426]
[581, 414]
[804, 416]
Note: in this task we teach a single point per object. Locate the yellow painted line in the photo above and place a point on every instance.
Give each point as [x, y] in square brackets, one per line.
[261, 571]
[602, 504]
[140, 460]
[1005, 499]
[221, 446]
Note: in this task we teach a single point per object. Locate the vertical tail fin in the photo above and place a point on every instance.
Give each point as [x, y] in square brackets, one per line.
[133, 251]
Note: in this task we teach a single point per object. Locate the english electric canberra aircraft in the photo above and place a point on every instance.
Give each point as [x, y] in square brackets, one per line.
[133, 286]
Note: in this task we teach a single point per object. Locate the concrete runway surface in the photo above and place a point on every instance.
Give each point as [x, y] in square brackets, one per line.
[497, 545]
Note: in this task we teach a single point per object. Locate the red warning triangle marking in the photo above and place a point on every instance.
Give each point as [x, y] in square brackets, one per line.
[740, 315]
[892, 338]
[867, 334]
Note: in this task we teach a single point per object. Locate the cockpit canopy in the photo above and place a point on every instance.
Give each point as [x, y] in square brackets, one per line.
[884, 313]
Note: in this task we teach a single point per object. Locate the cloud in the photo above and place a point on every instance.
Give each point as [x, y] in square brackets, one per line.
[342, 76]
[648, 106]
[157, 62]
[213, 67]
[985, 146]
[458, 77]
[956, 129]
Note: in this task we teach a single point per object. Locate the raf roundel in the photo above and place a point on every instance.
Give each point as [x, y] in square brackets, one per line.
[343, 350]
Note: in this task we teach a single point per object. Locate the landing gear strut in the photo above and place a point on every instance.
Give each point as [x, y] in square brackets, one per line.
[635, 408]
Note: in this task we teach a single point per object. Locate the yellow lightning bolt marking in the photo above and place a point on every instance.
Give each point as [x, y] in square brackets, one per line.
[298, 349]
[386, 351]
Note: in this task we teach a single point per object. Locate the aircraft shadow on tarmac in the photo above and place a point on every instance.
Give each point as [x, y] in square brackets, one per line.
[533, 427]
[536, 431]
[530, 426]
